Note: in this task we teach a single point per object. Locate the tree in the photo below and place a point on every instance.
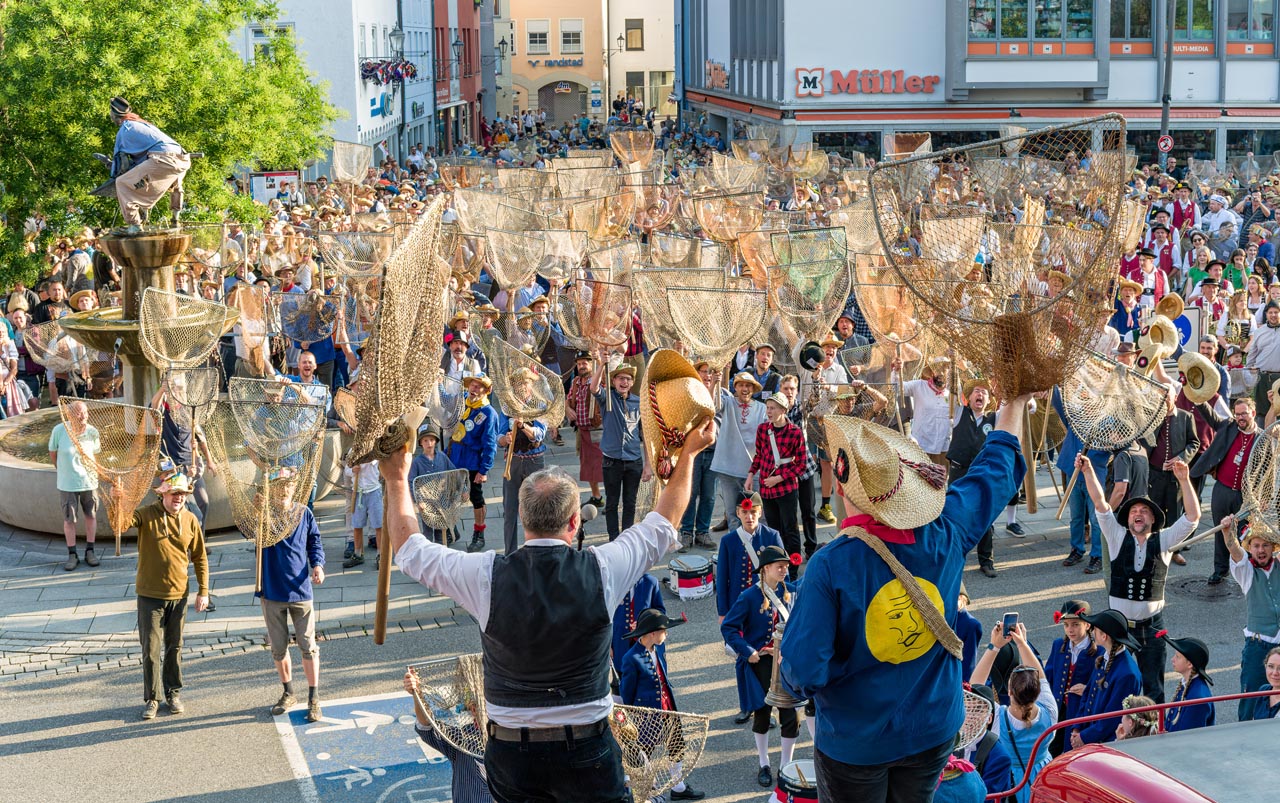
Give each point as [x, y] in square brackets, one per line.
[174, 61]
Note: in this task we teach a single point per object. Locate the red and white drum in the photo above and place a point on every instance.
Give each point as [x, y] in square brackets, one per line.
[692, 577]
[797, 783]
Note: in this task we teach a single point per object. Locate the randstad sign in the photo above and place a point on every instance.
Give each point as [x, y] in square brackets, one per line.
[819, 82]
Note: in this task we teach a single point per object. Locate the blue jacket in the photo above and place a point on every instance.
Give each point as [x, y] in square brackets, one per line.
[867, 660]
[1262, 708]
[287, 564]
[969, 629]
[645, 594]
[477, 448]
[734, 572]
[1106, 694]
[539, 433]
[746, 629]
[1058, 671]
[997, 772]
[421, 466]
[1191, 716]
[639, 682]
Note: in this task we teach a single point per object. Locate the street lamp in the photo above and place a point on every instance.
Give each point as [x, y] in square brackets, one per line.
[622, 45]
[502, 47]
[396, 38]
[457, 54]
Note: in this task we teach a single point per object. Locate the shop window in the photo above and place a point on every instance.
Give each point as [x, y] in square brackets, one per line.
[1031, 19]
[1253, 153]
[846, 143]
[635, 34]
[1131, 19]
[1193, 21]
[1192, 143]
[1250, 20]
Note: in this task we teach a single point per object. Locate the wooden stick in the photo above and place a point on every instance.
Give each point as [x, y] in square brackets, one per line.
[511, 450]
[1066, 495]
[1195, 539]
[257, 565]
[1029, 480]
[383, 600]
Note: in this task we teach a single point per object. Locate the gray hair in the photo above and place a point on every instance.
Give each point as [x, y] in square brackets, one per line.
[547, 499]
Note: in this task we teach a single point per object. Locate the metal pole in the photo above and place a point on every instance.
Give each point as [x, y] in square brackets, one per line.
[1166, 89]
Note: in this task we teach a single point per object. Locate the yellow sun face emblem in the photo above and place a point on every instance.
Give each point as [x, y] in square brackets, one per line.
[896, 633]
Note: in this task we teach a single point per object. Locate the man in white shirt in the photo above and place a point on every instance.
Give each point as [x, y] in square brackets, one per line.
[1141, 549]
[1255, 572]
[1218, 213]
[545, 616]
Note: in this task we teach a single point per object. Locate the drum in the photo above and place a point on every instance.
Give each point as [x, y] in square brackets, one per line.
[692, 577]
[797, 783]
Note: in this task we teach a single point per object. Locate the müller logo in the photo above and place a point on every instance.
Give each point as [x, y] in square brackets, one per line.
[813, 83]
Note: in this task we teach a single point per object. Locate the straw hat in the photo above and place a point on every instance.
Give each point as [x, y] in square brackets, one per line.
[971, 385]
[175, 483]
[1170, 306]
[522, 374]
[460, 315]
[1131, 285]
[1161, 334]
[1060, 276]
[673, 402]
[831, 340]
[935, 366]
[745, 376]
[884, 473]
[1200, 377]
[467, 379]
[74, 301]
[623, 369]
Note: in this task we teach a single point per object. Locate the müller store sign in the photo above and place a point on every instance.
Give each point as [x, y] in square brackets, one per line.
[818, 82]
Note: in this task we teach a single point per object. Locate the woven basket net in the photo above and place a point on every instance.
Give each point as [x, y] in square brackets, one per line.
[351, 161]
[190, 391]
[56, 350]
[124, 463]
[1261, 486]
[267, 486]
[439, 498]
[989, 313]
[713, 324]
[305, 317]
[402, 359]
[529, 398]
[251, 330]
[1110, 406]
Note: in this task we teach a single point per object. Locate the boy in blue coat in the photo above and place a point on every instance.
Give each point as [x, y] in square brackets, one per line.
[1190, 661]
[1070, 665]
[736, 565]
[1116, 677]
[646, 684]
[883, 671]
[474, 444]
[748, 629]
[430, 461]
[643, 596]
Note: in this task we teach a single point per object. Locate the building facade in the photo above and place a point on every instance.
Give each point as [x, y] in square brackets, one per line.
[557, 64]
[456, 66]
[845, 75]
[504, 31]
[641, 34]
[419, 105]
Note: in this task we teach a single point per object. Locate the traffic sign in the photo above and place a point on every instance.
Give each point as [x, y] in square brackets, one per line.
[1165, 143]
[364, 750]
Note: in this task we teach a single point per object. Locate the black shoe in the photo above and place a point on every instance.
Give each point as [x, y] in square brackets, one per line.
[349, 551]
[353, 561]
[765, 776]
[596, 501]
[282, 705]
[742, 718]
[1095, 566]
[703, 541]
[91, 558]
[723, 526]
[989, 569]
[1075, 557]
[372, 543]
[1015, 530]
[73, 560]
[1216, 578]
[689, 793]
[477, 544]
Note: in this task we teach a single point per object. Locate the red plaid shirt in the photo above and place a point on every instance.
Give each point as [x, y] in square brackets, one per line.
[790, 442]
[581, 403]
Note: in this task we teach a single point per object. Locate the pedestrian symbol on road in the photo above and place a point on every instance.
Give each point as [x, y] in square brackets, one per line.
[1165, 143]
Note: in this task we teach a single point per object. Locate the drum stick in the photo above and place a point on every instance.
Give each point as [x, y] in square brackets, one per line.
[511, 450]
[680, 564]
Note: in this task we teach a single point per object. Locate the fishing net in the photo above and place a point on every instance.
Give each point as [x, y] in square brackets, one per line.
[444, 402]
[461, 173]
[727, 174]
[724, 217]
[633, 147]
[650, 286]
[526, 330]
[605, 220]
[402, 356]
[478, 210]
[180, 331]
[614, 263]
[190, 392]
[211, 247]
[674, 251]
[277, 418]
[659, 748]
[879, 403]
[1023, 342]
[451, 694]
[118, 445]
[587, 182]
[655, 205]
[895, 316]
[251, 329]
[56, 350]
[524, 178]
[1110, 406]
[603, 310]
[267, 491]
[581, 158]
[562, 255]
[1261, 487]
[344, 406]
[524, 388]
[439, 498]
[305, 317]
[355, 252]
[514, 256]
[713, 324]
[756, 250]
[357, 307]
[351, 161]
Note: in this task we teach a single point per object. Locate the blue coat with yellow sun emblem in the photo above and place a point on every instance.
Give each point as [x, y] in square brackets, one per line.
[883, 686]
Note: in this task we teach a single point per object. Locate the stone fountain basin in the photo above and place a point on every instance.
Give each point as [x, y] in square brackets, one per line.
[101, 328]
[31, 501]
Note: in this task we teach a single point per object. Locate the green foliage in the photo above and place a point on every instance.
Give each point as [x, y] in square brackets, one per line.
[62, 61]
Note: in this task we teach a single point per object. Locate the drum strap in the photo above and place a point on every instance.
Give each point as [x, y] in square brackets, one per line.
[933, 618]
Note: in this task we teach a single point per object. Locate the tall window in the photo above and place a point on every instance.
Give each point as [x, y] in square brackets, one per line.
[571, 36]
[539, 32]
[360, 44]
[263, 49]
[635, 85]
[1250, 19]
[1193, 20]
[1031, 19]
[635, 34]
[1131, 19]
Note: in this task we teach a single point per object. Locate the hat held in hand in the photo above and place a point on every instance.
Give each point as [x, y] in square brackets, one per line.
[885, 474]
[673, 402]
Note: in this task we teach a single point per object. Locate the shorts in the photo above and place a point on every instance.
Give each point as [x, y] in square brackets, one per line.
[477, 492]
[368, 510]
[277, 616]
[87, 501]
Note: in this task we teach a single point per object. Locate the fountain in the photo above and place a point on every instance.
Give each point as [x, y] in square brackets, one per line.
[145, 259]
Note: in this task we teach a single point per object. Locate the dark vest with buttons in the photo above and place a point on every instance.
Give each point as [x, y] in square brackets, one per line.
[1142, 586]
[547, 639]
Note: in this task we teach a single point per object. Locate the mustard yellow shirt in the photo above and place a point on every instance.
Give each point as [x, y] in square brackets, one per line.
[166, 545]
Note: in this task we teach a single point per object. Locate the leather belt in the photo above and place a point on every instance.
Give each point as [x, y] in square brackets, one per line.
[562, 733]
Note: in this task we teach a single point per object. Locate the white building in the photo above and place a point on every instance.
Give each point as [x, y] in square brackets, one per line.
[342, 42]
[641, 63]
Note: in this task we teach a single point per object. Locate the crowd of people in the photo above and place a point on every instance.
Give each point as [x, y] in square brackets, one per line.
[855, 627]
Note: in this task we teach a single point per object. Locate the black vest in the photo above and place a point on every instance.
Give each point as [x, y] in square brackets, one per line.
[968, 436]
[548, 635]
[1142, 586]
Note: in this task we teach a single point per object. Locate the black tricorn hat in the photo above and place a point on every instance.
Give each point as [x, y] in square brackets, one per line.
[1113, 623]
[651, 620]
[811, 355]
[1122, 512]
[1194, 650]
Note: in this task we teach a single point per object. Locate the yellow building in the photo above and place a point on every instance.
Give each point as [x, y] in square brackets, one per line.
[558, 61]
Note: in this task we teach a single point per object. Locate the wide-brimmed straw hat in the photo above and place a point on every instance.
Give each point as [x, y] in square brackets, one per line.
[624, 368]
[1130, 284]
[74, 301]
[885, 474]
[673, 402]
[467, 379]
[176, 483]
[1171, 306]
[935, 366]
[1162, 334]
[1200, 377]
[746, 376]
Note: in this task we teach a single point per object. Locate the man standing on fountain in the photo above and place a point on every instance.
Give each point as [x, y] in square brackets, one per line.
[146, 164]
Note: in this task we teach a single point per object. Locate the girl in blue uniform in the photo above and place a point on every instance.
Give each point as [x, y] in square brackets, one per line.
[645, 684]
[1267, 707]
[1190, 659]
[748, 630]
[1115, 678]
[641, 597]
[1071, 664]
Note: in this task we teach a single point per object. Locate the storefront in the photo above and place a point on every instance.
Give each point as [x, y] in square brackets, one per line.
[962, 69]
